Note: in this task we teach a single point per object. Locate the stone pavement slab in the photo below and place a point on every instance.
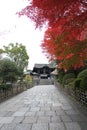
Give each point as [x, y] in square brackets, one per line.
[39, 126]
[57, 126]
[6, 120]
[23, 127]
[72, 126]
[42, 107]
[8, 127]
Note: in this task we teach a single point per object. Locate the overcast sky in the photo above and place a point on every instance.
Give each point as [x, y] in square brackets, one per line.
[21, 30]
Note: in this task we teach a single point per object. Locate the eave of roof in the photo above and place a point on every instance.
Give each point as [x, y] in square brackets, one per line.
[43, 65]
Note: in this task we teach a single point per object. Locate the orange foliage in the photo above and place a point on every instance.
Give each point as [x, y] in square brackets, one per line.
[70, 53]
[66, 37]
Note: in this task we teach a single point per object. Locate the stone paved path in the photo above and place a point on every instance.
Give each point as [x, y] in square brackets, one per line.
[43, 107]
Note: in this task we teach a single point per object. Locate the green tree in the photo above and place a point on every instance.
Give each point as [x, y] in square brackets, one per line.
[8, 70]
[1, 52]
[18, 54]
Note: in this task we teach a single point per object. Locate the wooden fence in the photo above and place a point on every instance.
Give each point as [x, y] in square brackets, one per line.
[78, 94]
[14, 89]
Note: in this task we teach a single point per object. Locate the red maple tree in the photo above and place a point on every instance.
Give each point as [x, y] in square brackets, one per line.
[66, 36]
[70, 54]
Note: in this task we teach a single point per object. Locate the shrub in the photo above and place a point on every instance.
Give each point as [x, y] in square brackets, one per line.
[6, 86]
[82, 74]
[60, 75]
[68, 78]
[8, 70]
[76, 83]
[28, 78]
[60, 78]
[83, 83]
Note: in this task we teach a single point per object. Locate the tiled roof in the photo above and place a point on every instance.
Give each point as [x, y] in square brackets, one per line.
[43, 65]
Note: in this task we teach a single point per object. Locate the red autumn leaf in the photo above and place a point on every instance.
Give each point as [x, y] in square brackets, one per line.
[66, 37]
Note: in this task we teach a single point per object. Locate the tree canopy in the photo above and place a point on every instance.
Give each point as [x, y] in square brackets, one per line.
[18, 54]
[66, 37]
[8, 70]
